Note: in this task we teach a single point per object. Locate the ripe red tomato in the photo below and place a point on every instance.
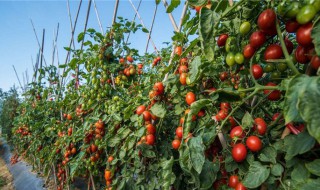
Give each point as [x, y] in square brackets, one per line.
[260, 126]
[303, 36]
[158, 88]
[150, 139]
[140, 109]
[233, 181]
[292, 26]
[183, 78]
[301, 55]
[274, 95]
[289, 45]
[201, 113]
[179, 132]
[239, 152]
[121, 60]
[190, 98]
[257, 71]
[254, 143]
[232, 122]
[221, 115]
[240, 186]
[151, 129]
[273, 51]
[183, 69]
[129, 58]
[222, 40]
[257, 39]
[267, 19]
[315, 62]
[146, 115]
[225, 106]
[176, 144]
[248, 51]
[178, 50]
[223, 76]
[237, 132]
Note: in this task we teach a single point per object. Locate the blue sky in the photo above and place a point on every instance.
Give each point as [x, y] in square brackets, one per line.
[18, 42]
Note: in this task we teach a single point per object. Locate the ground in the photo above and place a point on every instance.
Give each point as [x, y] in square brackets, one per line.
[6, 179]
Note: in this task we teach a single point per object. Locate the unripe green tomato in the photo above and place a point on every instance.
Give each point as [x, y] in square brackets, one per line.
[269, 68]
[105, 67]
[292, 10]
[89, 102]
[94, 80]
[316, 4]
[115, 98]
[230, 59]
[239, 58]
[229, 43]
[245, 27]
[282, 67]
[306, 14]
[275, 75]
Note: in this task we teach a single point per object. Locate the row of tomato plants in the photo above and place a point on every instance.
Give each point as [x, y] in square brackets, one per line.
[236, 108]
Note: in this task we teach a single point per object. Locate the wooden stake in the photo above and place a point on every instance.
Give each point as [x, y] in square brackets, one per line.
[134, 18]
[115, 12]
[154, 46]
[35, 33]
[173, 22]
[153, 19]
[17, 77]
[98, 17]
[179, 29]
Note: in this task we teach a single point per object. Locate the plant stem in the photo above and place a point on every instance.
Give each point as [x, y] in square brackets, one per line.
[285, 51]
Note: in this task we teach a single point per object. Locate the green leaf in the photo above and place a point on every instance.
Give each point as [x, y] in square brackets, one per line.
[302, 101]
[314, 167]
[114, 141]
[208, 174]
[294, 88]
[168, 176]
[315, 33]
[146, 151]
[145, 30]
[268, 154]
[309, 106]
[277, 170]
[197, 2]
[81, 37]
[158, 110]
[196, 153]
[174, 4]
[298, 144]
[158, 1]
[256, 175]
[247, 121]
[207, 20]
[300, 173]
[195, 66]
[309, 184]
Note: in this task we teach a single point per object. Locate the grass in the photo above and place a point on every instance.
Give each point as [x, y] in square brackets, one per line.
[2, 181]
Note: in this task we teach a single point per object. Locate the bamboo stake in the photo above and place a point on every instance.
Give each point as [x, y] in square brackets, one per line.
[93, 185]
[54, 176]
[70, 19]
[173, 22]
[37, 66]
[134, 18]
[152, 23]
[115, 12]
[35, 33]
[72, 40]
[113, 21]
[98, 17]
[179, 29]
[42, 47]
[17, 76]
[85, 29]
[55, 43]
[154, 46]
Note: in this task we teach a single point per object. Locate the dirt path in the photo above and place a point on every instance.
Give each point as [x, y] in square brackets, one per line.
[6, 179]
